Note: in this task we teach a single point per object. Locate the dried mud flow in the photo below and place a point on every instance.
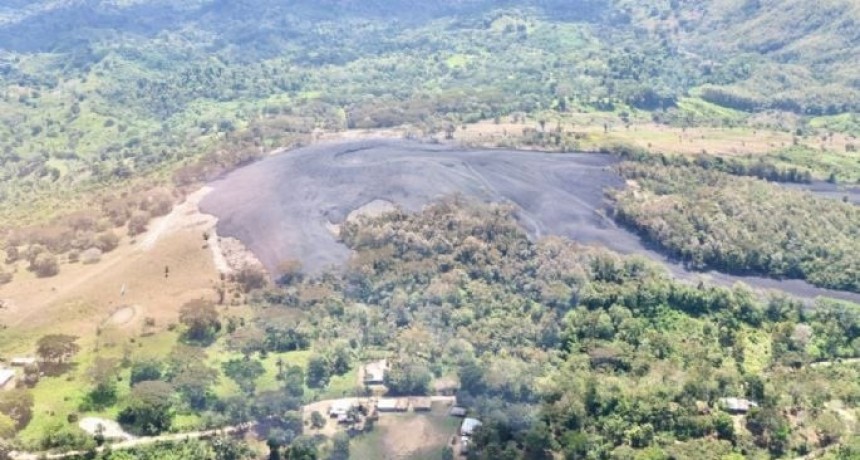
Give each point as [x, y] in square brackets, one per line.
[285, 206]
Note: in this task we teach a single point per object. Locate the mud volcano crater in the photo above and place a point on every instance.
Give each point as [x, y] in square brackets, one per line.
[283, 207]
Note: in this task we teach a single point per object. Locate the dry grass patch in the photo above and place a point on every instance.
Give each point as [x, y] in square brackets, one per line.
[81, 298]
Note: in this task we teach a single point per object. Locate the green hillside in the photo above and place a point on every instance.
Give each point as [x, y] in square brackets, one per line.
[114, 113]
[140, 83]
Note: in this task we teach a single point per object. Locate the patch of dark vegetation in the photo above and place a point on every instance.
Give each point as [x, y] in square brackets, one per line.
[739, 225]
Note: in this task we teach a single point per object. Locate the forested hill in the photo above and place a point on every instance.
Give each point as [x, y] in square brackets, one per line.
[792, 55]
[95, 91]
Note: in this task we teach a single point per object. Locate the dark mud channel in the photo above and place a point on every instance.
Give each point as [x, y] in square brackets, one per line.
[846, 193]
[283, 207]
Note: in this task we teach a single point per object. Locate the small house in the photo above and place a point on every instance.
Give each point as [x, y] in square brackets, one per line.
[421, 404]
[737, 405]
[392, 405]
[341, 407]
[464, 445]
[374, 373]
[457, 411]
[469, 425]
[7, 378]
[22, 361]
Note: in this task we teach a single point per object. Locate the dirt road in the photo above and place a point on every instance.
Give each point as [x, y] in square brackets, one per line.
[137, 442]
[321, 406]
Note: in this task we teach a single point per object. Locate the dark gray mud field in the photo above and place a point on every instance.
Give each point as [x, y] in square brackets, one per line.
[283, 207]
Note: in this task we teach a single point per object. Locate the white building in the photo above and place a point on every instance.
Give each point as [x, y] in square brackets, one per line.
[469, 426]
[22, 362]
[737, 405]
[340, 408]
[7, 377]
[374, 373]
[392, 405]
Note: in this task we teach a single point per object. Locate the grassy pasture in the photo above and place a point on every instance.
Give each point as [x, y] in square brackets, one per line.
[414, 436]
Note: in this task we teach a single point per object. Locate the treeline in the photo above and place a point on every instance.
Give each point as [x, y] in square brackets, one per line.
[798, 102]
[759, 167]
[738, 225]
[218, 448]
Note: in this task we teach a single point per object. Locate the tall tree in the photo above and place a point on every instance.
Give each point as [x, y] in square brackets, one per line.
[319, 371]
[245, 373]
[150, 409]
[56, 348]
[18, 406]
[102, 375]
[201, 319]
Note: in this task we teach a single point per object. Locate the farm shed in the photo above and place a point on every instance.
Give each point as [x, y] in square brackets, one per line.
[421, 404]
[737, 405]
[339, 408]
[457, 411]
[374, 373]
[22, 361]
[392, 405]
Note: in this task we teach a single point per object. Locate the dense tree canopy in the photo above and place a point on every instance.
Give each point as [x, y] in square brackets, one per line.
[56, 348]
[573, 350]
[713, 220]
[150, 409]
[202, 320]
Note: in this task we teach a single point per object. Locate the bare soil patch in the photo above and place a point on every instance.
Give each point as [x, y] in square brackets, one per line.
[408, 435]
[124, 315]
[236, 256]
[109, 428]
[81, 297]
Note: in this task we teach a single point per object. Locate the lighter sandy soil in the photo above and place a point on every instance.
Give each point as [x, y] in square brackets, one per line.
[124, 316]
[128, 285]
[183, 215]
[110, 429]
[831, 363]
[653, 137]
